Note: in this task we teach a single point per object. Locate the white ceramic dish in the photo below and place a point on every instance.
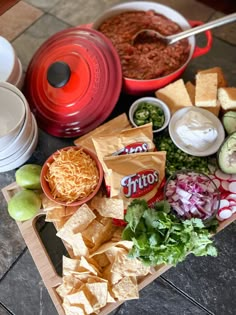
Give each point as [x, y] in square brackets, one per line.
[156, 102]
[20, 148]
[12, 114]
[17, 80]
[20, 139]
[8, 59]
[26, 155]
[213, 148]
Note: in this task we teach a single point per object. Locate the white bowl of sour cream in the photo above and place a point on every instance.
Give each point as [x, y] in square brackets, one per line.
[196, 131]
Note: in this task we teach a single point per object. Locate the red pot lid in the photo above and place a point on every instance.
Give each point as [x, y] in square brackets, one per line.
[73, 82]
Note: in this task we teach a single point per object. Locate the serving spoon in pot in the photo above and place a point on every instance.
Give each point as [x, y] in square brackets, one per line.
[171, 39]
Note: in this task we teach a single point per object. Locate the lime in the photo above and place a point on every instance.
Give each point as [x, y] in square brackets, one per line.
[24, 205]
[28, 176]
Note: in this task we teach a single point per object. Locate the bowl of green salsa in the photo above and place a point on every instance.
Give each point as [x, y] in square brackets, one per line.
[150, 110]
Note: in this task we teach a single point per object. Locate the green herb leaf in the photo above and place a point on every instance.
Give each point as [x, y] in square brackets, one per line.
[159, 237]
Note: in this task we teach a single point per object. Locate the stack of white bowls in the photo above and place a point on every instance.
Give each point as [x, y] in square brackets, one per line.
[18, 128]
[10, 66]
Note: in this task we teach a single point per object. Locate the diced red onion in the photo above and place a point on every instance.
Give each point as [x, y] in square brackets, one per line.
[192, 195]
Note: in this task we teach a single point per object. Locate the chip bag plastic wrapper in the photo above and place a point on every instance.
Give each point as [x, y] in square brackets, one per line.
[137, 176]
[128, 141]
[113, 126]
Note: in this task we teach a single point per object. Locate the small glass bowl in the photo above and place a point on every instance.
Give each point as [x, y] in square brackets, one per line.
[188, 199]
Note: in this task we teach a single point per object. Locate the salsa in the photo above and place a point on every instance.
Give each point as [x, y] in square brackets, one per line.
[147, 112]
[147, 58]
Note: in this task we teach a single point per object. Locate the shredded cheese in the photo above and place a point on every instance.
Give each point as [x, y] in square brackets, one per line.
[72, 176]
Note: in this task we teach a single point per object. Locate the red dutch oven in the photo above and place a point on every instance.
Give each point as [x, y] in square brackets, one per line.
[73, 82]
[139, 87]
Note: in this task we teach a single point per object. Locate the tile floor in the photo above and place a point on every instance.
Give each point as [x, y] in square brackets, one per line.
[197, 286]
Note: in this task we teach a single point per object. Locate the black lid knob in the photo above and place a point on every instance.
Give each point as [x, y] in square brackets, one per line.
[58, 74]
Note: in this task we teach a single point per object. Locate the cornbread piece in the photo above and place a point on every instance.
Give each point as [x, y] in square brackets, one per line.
[174, 95]
[206, 90]
[220, 75]
[227, 98]
[191, 89]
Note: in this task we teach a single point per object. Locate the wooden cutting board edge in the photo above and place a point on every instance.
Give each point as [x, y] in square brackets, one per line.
[46, 268]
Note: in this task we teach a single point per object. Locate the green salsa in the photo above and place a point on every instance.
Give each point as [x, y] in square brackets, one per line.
[147, 112]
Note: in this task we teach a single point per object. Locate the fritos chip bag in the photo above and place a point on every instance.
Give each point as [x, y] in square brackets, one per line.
[137, 175]
[112, 126]
[128, 141]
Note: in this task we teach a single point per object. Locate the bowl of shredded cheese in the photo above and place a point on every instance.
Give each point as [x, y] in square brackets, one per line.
[71, 176]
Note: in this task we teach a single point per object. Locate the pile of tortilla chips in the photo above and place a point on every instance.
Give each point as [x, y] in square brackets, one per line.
[98, 270]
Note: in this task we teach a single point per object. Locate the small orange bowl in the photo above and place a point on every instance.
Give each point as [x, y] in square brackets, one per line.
[47, 189]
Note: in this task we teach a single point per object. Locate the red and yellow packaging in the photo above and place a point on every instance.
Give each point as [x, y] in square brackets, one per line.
[138, 175]
[128, 141]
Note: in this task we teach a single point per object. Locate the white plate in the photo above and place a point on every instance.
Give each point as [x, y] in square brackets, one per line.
[26, 155]
[193, 151]
[20, 139]
[13, 157]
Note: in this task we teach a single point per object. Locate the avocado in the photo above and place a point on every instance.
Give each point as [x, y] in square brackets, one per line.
[229, 122]
[226, 156]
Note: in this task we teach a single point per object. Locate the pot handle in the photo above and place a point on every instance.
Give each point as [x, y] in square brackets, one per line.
[199, 51]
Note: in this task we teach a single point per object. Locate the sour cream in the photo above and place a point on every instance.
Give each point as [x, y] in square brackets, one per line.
[196, 131]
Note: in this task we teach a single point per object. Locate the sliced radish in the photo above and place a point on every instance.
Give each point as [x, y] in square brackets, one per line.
[232, 187]
[225, 185]
[211, 176]
[224, 203]
[216, 181]
[231, 197]
[233, 208]
[232, 177]
[224, 213]
[222, 175]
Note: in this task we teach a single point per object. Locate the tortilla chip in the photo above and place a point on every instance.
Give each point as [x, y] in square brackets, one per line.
[59, 224]
[70, 210]
[72, 310]
[108, 207]
[126, 289]
[97, 233]
[78, 245]
[69, 265]
[101, 260]
[90, 267]
[55, 214]
[103, 248]
[116, 237]
[93, 231]
[99, 291]
[125, 244]
[69, 284]
[49, 205]
[113, 252]
[129, 266]
[111, 277]
[79, 299]
[77, 223]
[110, 298]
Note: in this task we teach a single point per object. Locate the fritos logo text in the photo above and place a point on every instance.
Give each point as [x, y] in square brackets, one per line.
[139, 184]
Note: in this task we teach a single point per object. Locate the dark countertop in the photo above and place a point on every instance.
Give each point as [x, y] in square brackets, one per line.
[203, 285]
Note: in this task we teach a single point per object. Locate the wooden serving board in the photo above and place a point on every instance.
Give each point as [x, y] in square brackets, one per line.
[47, 270]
